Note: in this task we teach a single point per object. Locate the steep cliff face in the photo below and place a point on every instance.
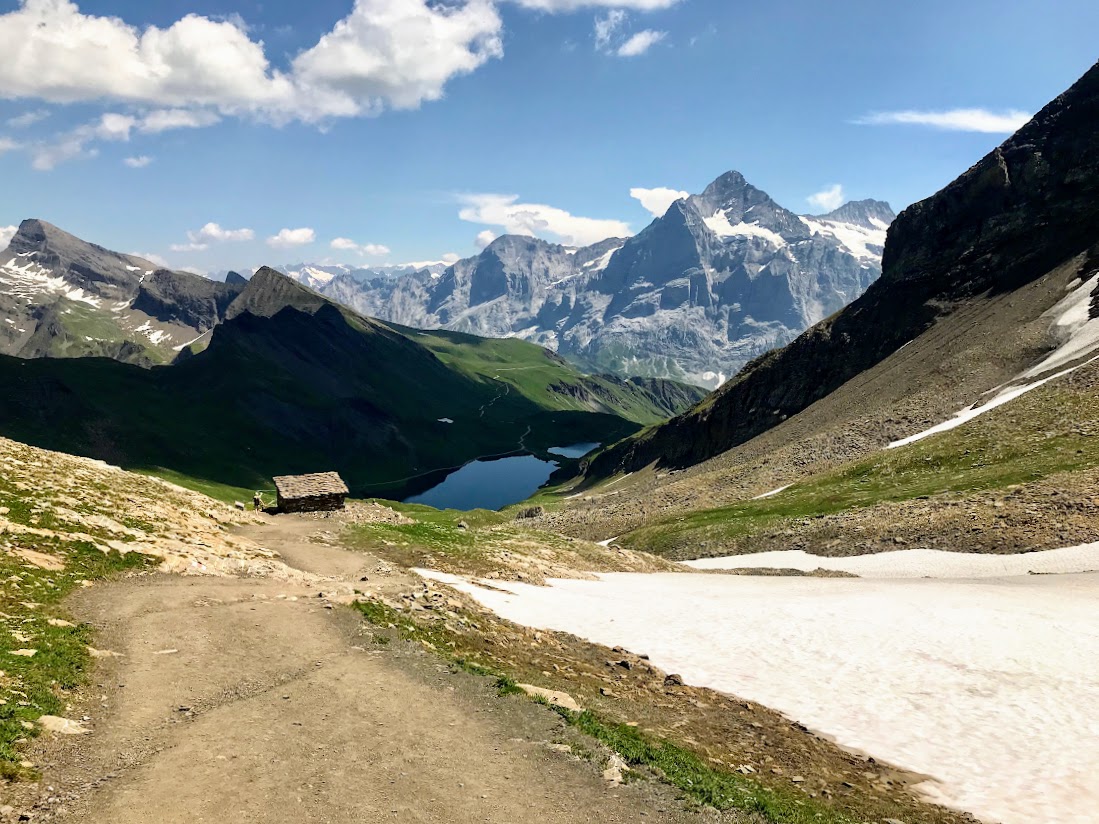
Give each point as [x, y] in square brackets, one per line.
[1022, 211]
[720, 278]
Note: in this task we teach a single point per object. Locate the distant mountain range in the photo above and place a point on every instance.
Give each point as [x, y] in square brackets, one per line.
[264, 376]
[721, 278]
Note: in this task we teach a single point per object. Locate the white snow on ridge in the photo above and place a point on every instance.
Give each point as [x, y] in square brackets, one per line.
[854, 238]
[30, 280]
[970, 682]
[719, 224]
[918, 563]
[1072, 327]
[602, 263]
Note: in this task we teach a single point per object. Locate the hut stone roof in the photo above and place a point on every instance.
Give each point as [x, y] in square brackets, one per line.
[293, 487]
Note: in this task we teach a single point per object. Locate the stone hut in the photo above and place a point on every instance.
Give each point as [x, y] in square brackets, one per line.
[322, 492]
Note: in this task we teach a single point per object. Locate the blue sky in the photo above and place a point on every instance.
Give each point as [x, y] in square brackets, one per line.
[406, 130]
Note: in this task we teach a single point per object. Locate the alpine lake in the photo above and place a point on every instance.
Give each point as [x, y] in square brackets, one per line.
[494, 484]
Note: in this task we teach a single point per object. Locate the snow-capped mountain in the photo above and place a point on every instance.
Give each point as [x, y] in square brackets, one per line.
[721, 278]
[319, 275]
[61, 296]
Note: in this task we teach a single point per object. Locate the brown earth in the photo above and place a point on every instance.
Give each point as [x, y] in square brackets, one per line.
[252, 700]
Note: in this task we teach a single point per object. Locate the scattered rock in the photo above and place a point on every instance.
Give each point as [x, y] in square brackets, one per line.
[673, 680]
[62, 726]
[24, 653]
[615, 767]
[558, 699]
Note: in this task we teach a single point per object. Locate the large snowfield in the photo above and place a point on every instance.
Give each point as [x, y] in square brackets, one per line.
[989, 686]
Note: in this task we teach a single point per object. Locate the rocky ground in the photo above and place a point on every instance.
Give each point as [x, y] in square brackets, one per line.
[237, 683]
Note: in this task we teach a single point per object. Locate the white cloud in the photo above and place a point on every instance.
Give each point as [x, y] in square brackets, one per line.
[164, 119]
[8, 145]
[829, 199]
[28, 119]
[640, 43]
[154, 259]
[657, 200]
[289, 238]
[957, 120]
[6, 234]
[138, 162]
[607, 27]
[113, 127]
[537, 220]
[450, 258]
[212, 231]
[343, 244]
[384, 53]
[485, 238]
[200, 240]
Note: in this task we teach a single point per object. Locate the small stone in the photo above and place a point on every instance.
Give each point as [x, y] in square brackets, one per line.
[798, 779]
[673, 680]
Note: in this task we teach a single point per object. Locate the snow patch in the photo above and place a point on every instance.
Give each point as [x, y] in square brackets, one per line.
[719, 224]
[30, 281]
[918, 563]
[970, 682]
[445, 420]
[772, 493]
[855, 239]
[966, 415]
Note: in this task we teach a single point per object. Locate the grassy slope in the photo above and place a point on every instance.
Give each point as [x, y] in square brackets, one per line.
[531, 370]
[31, 686]
[1047, 432]
[298, 393]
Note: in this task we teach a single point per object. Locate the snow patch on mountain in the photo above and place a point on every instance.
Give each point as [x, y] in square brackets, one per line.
[862, 242]
[719, 224]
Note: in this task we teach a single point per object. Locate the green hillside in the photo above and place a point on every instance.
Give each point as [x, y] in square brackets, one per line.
[287, 390]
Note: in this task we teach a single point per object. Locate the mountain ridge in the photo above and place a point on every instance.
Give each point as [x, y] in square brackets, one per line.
[693, 296]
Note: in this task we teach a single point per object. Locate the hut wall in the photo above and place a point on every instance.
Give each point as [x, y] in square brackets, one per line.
[317, 503]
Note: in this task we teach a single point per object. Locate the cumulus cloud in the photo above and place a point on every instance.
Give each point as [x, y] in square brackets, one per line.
[343, 244]
[138, 162]
[828, 199]
[6, 234]
[200, 240]
[484, 239]
[537, 220]
[640, 43]
[384, 53]
[290, 238]
[450, 258]
[153, 258]
[7, 145]
[658, 200]
[956, 120]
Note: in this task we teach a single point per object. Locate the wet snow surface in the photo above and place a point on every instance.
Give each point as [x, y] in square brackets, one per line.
[988, 686]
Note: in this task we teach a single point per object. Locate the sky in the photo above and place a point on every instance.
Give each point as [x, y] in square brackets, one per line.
[217, 134]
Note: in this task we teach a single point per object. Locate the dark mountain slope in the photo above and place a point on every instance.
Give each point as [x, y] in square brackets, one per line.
[1012, 219]
[291, 382]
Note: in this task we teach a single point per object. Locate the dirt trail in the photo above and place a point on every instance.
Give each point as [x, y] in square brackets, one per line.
[239, 700]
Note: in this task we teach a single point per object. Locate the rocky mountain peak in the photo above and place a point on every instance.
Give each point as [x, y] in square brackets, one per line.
[866, 213]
